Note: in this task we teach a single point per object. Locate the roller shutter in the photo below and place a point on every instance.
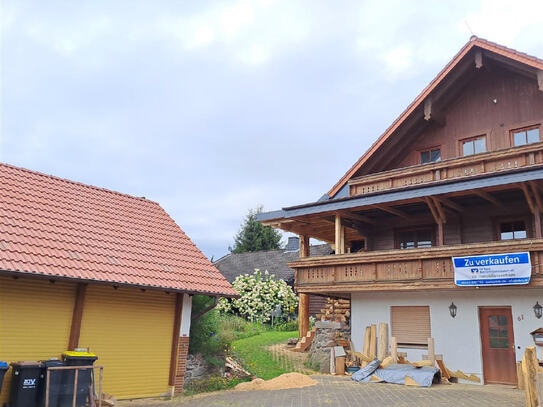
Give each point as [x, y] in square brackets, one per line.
[131, 333]
[411, 325]
[35, 319]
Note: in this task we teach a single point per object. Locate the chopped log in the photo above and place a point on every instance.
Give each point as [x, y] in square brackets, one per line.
[431, 351]
[529, 369]
[539, 385]
[382, 349]
[387, 362]
[423, 363]
[444, 370]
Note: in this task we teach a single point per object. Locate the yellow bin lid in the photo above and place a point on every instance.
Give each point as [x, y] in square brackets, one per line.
[79, 354]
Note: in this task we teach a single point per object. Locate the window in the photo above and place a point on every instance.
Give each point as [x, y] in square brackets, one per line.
[410, 325]
[411, 239]
[474, 145]
[524, 136]
[430, 156]
[513, 230]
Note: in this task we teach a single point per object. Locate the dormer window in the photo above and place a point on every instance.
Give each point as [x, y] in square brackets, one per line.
[526, 135]
[474, 145]
[430, 156]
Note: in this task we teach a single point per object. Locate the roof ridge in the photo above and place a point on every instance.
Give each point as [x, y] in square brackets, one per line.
[78, 183]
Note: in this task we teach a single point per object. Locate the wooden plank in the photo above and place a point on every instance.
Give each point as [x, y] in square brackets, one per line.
[373, 340]
[367, 339]
[449, 203]
[539, 385]
[410, 382]
[485, 195]
[77, 316]
[382, 349]
[439, 209]
[537, 196]
[393, 211]
[361, 218]
[528, 197]
[444, 370]
[394, 349]
[431, 351]
[337, 245]
[529, 368]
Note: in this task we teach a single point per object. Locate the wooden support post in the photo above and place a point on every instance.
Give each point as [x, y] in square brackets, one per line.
[439, 221]
[175, 338]
[520, 376]
[340, 235]
[303, 314]
[534, 207]
[394, 349]
[440, 234]
[304, 246]
[537, 224]
[77, 316]
[382, 349]
[529, 368]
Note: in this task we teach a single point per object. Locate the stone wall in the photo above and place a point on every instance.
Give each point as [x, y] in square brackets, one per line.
[197, 368]
[325, 339]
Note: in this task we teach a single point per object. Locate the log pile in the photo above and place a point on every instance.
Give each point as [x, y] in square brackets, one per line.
[338, 310]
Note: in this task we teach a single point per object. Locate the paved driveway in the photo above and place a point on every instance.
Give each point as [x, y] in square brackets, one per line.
[342, 392]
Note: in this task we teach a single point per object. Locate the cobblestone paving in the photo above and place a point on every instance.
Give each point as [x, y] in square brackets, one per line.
[342, 392]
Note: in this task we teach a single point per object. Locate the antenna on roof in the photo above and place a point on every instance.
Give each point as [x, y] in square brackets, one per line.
[469, 28]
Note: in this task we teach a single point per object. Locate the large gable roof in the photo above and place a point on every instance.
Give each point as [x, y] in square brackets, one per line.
[499, 50]
[63, 229]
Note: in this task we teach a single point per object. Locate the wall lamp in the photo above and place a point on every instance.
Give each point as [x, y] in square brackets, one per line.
[538, 310]
[452, 309]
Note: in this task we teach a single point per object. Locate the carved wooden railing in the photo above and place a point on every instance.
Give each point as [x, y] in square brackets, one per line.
[389, 268]
[478, 164]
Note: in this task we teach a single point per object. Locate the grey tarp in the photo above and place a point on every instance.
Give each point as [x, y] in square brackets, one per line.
[424, 376]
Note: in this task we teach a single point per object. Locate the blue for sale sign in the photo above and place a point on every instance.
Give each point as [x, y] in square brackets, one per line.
[492, 269]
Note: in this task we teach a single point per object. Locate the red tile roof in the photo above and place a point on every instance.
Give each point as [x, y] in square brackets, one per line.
[59, 228]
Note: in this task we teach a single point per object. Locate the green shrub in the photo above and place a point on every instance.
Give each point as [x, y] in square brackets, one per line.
[287, 326]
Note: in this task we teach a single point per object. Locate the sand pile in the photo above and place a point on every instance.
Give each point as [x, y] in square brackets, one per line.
[285, 381]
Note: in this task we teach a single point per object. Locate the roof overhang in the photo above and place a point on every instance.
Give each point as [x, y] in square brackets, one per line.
[404, 194]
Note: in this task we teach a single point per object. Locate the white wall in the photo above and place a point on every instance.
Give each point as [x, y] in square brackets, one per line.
[458, 339]
[186, 313]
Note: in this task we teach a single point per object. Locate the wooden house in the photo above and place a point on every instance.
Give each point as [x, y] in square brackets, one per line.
[437, 227]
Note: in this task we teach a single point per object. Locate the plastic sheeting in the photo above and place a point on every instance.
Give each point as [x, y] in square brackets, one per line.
[424, 376]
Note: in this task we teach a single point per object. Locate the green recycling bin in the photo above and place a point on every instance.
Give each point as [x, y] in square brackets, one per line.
[26, 378]
[77, 358]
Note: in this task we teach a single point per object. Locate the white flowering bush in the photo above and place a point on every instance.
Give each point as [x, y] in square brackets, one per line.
[260, 294]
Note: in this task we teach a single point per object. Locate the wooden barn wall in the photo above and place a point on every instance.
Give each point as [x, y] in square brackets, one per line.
[473, 113]
[316, 304]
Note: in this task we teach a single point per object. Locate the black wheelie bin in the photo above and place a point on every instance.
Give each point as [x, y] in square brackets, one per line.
[55, 382]
[26, 378]
[77, 358]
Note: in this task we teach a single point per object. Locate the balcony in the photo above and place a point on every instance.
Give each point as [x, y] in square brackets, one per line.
[414, 269]
[454, 168]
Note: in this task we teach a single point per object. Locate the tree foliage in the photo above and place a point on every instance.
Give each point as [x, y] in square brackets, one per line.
[253, 236]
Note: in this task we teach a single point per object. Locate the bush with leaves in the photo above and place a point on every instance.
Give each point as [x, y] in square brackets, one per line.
[260, 294]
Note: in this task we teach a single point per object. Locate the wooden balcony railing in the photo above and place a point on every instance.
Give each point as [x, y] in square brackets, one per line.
[496, 161]
[402, 269]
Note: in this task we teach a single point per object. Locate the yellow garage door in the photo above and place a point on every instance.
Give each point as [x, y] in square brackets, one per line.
[35, 318]
[131, 333]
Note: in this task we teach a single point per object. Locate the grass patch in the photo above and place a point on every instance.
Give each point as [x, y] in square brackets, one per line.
[254, 356]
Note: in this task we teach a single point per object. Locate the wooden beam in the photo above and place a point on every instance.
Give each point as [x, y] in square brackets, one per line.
[175, 338]
[449, 203]
[355, 216]
[428, 109]
[303, 314]
[432, 209]
[77, 316]
[338, 234]
[304, 246]
[540, 79]
[393, 211]
[485, 195]
[535, 192]
[440, 210]
[528, 197]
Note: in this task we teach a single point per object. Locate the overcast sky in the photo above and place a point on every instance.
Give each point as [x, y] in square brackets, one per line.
[213, 107]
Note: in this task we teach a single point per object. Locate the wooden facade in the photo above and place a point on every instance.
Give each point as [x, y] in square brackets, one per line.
[399, 221]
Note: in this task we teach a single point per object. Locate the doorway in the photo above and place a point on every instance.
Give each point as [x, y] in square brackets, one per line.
[498, 345]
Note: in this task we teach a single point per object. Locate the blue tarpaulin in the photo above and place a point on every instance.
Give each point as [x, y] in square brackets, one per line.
[424, 376]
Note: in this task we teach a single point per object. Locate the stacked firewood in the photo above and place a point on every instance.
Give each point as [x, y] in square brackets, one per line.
[336, 310]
